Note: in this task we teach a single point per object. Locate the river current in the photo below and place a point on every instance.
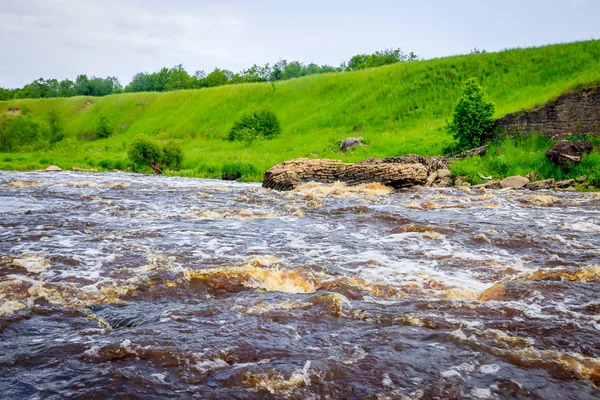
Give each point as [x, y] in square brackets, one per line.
[128, 286]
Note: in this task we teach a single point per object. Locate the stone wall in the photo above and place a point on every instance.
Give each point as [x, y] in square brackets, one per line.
[577, 112]
[289, 174]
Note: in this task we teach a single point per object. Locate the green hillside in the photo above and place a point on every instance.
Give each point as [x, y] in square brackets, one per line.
[397, 109]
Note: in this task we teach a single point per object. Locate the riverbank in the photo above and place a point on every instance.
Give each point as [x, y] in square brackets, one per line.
[397, 110]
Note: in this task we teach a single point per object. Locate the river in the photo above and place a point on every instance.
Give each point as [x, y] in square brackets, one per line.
[128, 286]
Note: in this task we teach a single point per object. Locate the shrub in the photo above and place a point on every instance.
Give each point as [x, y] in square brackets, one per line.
[172, 156]
[472, 123]
[262, 124]
[144, 151]
[18, 131]
[102, 128]
[237, 170]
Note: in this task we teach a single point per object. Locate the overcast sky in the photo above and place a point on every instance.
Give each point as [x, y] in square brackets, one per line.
[63, 38]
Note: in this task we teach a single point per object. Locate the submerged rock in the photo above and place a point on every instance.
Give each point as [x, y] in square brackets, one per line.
[567, 153]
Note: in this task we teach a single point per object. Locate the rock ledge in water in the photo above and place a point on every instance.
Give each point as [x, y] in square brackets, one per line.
[396, 172]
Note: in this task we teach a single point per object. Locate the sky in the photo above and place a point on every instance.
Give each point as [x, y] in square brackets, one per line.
[64, 38]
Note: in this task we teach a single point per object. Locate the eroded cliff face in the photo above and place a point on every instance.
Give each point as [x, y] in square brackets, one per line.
[572, 113]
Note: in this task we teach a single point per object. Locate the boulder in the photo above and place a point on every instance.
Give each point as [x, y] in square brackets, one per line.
[446, 181]
[350, 143]
[541, 185]
[53, 168]
[289, 174]
[514, 182]
[444, 173]
[567, 153]
[431, 178]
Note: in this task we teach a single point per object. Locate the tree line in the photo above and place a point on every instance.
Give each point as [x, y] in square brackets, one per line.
[177, 78]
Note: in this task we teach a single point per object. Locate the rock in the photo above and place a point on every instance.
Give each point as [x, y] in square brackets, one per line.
[350, 143]
[541, 185]
[443, 173]
[446, 181]
[460, 181]
[431, 178]
[564, 184]
[515, 182]
[493, 184]
[231, 177]
[478, 151]
[581, 179]
[567, 153]
[532, 176]
[53, 168]
[289, 174]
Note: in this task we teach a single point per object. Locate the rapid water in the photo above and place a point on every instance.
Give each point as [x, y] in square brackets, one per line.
[143, 287]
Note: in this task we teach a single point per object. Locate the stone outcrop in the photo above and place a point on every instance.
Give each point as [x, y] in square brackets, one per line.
[567, 153]
[396, 172]
[572, 113]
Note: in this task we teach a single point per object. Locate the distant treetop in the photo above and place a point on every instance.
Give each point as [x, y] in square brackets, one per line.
[177, 78]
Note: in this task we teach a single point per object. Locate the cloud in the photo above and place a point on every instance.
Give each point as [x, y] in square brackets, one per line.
[88, 32]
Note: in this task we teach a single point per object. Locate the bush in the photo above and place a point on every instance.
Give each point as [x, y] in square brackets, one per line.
[18, 131]
[144, 151]
[102, 128]
[237, 170]
[262, 124]
[172, 156]
[472, 123]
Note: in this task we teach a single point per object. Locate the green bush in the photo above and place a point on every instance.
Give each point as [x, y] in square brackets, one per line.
[146, 152]
[237, 170]
[262, 124]
[472, 123]
[172, 156]
[18, 131]
[103, 127]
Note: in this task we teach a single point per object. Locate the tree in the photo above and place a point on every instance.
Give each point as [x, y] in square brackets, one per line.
[216, 78]
[472, 123]
[103, 128]
[56, 127]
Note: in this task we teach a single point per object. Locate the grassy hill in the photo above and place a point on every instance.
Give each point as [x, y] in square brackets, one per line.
[397, 109]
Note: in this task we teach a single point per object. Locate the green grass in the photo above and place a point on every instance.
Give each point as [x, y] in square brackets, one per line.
[397, 109]
[519, 156]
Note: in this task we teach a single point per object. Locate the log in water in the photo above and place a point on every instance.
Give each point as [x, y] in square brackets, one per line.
[130, 286]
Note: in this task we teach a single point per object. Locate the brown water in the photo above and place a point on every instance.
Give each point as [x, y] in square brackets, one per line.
[129, 286]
